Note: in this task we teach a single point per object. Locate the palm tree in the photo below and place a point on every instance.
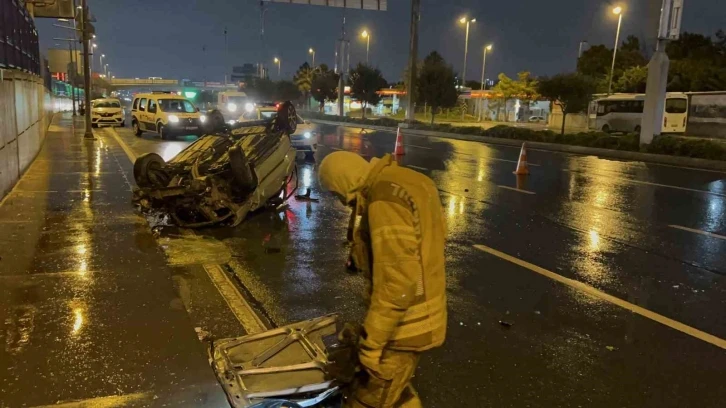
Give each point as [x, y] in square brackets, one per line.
[304, 80]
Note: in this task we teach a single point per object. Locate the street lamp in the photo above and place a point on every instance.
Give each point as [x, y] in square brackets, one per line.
[367, 36]
[467, 21]
[279, 63]
[312, 51]
[100, 60]
[619, 12]
[105, 70]
[483, 68]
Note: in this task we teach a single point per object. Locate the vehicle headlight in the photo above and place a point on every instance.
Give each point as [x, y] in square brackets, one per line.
[307, 135]
[173, 119]
[232, 107]
[249, 107]
[202, 118]
[232, 122]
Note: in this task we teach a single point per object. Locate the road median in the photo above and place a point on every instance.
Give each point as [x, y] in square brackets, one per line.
[623, 147]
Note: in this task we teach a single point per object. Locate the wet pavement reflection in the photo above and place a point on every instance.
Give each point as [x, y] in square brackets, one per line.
[602, 222]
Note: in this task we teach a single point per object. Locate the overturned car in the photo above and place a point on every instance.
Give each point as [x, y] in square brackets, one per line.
[231, 170]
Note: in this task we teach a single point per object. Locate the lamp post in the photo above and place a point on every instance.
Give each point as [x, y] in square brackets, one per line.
[279, 63]
[100, 60]
[367, 36]
[619, 12]
[312, 52]
[467, 21]
[105, 71]
[483, 68]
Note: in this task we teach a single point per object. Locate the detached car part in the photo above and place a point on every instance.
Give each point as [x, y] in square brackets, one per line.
[225, 174]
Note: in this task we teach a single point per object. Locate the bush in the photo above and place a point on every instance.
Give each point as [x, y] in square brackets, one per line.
[681, 146]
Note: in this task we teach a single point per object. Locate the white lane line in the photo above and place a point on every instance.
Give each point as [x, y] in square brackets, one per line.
[236, 302]
[693, 332]
[687, 168]
[706, 233]
[517, 190]
[130, 153]
[417, 167]
[418, 147]
[494, 158]
[648, 183]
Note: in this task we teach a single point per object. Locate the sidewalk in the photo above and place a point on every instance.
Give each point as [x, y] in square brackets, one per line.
[88, 307]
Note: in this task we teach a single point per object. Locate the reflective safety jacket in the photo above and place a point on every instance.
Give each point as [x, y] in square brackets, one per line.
[400, 239]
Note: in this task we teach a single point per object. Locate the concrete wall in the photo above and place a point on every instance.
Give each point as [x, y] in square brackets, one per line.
[26, 108]
[574, 121]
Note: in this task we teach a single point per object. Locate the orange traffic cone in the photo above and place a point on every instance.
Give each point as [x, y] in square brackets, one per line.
[398, 151]
[522, 167]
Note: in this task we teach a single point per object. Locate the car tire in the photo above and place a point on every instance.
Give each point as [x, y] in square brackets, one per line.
[163, 132]
[149, 172]
[606, 128]
[137, 128]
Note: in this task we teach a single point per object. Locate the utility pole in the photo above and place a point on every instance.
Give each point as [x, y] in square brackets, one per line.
[225, 55]
[85, 37]
[72, 77]
[619, 11]
[671, 12]
[412, 59]
[341, 78]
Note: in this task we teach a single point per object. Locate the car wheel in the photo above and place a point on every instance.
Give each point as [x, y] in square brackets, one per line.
[149, 171]
[163, 132]
[137, 129]
[637, 129]
[606, 128]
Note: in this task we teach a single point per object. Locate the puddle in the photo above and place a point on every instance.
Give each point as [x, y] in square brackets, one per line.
[194, 250]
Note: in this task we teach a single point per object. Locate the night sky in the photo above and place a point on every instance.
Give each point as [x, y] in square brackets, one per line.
[165, 38]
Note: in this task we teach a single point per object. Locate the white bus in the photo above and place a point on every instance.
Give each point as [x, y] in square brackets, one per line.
[624, 112]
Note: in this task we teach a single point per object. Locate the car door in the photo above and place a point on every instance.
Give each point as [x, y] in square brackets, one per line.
[143, 115]
[151, 111]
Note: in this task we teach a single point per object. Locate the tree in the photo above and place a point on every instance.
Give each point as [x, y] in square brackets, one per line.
[571, 92]
[596, 62]
[508, 89]
[286, 91]
[304, 80]
[325, 86]
[633, 80]
[436, 84]
[261, 89]
[365, 82]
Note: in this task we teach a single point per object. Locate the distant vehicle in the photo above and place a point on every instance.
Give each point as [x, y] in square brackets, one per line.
[153, 78]
[536, 119]
[304, 138]
[231, 104]
[624, 113]
[167, 114]
[107, 112]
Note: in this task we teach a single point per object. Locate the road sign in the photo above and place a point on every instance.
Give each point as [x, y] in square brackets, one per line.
[670, 20]
[381, 5]
[53, 9]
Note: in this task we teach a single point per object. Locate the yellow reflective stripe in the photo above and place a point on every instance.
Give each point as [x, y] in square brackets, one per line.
[415, 329]
[394, 230]
[378, 322]
[431, 306]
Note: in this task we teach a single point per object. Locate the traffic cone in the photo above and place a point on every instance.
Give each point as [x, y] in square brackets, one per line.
[398, 151]
[522, 167]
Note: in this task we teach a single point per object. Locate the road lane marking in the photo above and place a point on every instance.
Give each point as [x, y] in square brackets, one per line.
[417, 167]
[706, 233]
[418, 147]
[517, 190]
[242, 310]
[236, 302]
[673, 324]
[494, 158]
[130, 153]
[648, 183]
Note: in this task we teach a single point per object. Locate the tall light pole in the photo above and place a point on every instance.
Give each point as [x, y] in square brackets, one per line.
[279, 63]
[100, 60]
[312, 51]
[85, 35]
[93, 51]
[483, 68]
[467, 21]
[619, 12]
[412, 56]
[367, 36]
[105, 71]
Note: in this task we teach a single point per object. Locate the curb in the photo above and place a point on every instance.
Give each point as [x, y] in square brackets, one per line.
[591, 151]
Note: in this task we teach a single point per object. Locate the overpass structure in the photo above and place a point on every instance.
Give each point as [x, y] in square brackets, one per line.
[129, 82]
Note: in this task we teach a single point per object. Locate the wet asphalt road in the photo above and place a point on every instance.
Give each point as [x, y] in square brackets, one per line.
[627, 229]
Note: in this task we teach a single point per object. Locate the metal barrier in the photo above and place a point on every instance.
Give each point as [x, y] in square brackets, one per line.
[18, 38]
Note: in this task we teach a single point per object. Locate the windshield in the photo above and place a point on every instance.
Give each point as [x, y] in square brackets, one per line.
[176, 105]
[106, 104]
[676, 105]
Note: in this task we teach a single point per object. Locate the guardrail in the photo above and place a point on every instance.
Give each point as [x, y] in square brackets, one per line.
[18, 38]
[125, 81]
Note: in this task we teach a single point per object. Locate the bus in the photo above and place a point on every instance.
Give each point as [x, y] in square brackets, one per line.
[624, 112]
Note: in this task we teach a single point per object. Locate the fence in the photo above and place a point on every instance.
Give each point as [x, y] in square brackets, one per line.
[18, 38]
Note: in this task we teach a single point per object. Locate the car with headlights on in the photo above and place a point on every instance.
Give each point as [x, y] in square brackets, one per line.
[107, 112]
[304, 139]
[167, 114]
[231, 104]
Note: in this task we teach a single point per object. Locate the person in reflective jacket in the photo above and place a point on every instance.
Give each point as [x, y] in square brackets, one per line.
[399, 245]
